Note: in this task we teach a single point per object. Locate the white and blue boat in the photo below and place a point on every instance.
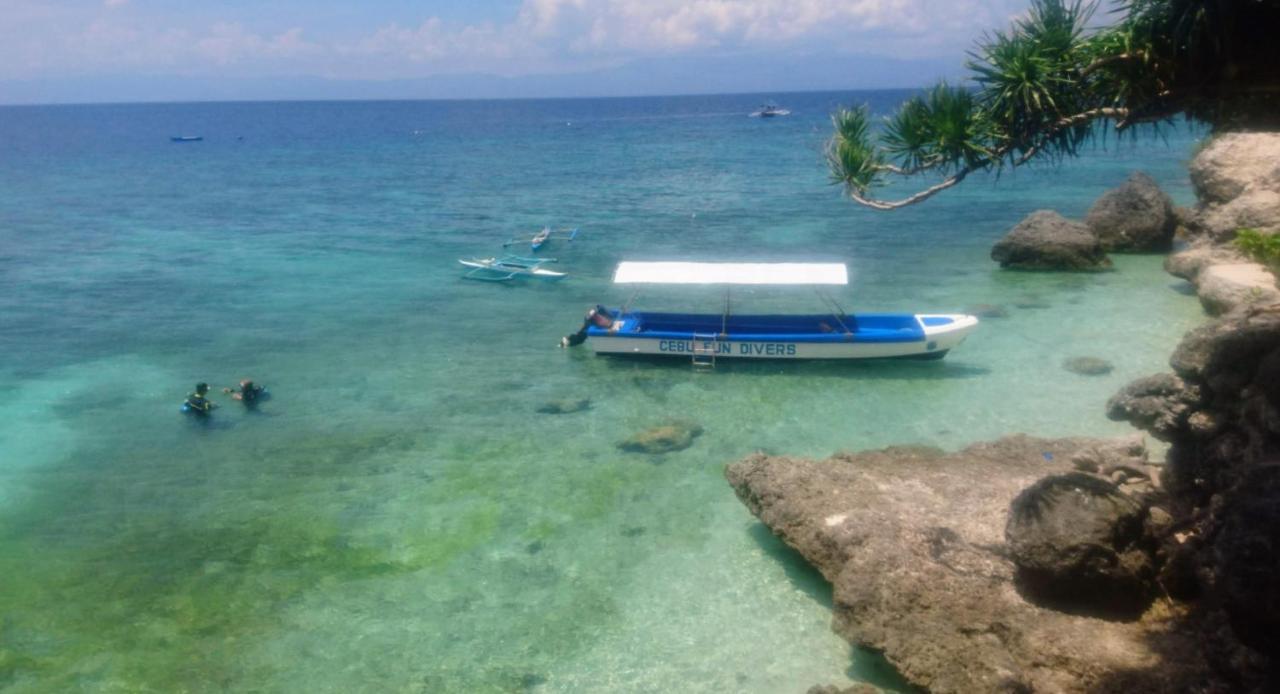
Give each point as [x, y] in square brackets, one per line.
[705, 337]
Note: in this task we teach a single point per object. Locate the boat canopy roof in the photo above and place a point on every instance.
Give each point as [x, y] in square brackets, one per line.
[730, 273]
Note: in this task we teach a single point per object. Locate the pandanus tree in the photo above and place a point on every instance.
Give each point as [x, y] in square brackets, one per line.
[1052, 81]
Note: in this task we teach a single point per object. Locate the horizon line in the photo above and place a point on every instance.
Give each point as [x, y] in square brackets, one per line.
[339, 99]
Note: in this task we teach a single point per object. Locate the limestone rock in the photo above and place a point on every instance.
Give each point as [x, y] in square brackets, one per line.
[1078, 544]
[1248, 554]
[1088, 366]
[1237, 180]
[667, 438]
[1254, 209]
[1231, 163]
[1225, 287]
[1046, 240]
[1188, 263]
[913, 543]
[1136, 216]
[1128, 451]
[1221, 415]
[1159, 404]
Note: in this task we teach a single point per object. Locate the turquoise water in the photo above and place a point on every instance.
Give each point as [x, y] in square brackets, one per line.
[398, 517]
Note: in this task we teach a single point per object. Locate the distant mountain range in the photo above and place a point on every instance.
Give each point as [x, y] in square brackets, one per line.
[667, 76]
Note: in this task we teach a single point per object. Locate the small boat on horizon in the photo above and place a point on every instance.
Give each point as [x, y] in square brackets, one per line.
[186, 138]
[770, 110]
[704, 337]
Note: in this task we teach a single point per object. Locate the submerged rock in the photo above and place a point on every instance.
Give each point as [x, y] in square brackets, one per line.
[1077, 541]
[1088, 366]
[565, 406]
[913, 543]
[1135, 216]
[667, 438]
[1046, 240]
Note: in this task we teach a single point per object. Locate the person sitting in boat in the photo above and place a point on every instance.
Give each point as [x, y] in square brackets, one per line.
[248, 392]
[198, 401]
[599, 316]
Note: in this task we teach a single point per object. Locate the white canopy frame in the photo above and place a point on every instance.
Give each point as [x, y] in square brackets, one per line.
[632, 272]
[816, 275]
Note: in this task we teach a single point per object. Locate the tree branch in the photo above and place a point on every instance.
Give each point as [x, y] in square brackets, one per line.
[922, 195]
[1120, 114]
[1061, 124]
[1103, 62]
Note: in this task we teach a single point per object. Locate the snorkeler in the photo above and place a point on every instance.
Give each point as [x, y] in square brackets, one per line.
[198, 402]
[248, 392]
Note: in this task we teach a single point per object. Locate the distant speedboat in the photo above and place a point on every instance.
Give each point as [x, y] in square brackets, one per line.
[769, 110]
[187, 138]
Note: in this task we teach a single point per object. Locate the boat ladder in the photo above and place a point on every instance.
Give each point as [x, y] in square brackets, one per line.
[705, 357]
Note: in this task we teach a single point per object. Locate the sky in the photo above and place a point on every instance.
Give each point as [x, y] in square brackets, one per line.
[61, 50]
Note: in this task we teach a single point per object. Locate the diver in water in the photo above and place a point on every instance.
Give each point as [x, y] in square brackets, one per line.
[248, 392]
[198, 402]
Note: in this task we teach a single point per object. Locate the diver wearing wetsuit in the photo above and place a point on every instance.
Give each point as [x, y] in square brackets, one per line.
[197, 402]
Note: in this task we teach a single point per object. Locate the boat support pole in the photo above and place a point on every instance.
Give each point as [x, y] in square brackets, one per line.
[724, 319]
[837, 310]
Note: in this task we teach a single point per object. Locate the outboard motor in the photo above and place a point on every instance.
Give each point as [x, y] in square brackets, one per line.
[598, 316]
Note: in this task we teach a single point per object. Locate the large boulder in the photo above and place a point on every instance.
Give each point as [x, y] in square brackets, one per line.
[1136, 216]
[1232, 163]
[1188, 263]
[1229, 286]
[1237, 180]
[912, 541]
[1046, 240]
[1079, 545]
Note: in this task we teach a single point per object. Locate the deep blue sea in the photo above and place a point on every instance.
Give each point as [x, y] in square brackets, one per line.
[399, 517]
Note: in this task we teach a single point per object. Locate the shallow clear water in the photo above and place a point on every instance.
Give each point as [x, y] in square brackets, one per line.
[398, 517]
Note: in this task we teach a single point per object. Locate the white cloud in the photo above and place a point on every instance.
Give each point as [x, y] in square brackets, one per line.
[542, 35]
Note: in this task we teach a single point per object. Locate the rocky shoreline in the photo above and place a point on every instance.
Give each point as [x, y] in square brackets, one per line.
[1074, 565]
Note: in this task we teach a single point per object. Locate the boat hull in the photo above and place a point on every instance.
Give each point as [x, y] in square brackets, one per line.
[933, 337]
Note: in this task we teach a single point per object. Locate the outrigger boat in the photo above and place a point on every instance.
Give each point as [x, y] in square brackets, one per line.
[705, 337]
[542, 237]
[509, 267]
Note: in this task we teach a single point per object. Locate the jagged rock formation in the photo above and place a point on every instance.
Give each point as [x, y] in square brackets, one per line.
[1136, 216]
[1220, 410]
[912, 540]
[1046, 240]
